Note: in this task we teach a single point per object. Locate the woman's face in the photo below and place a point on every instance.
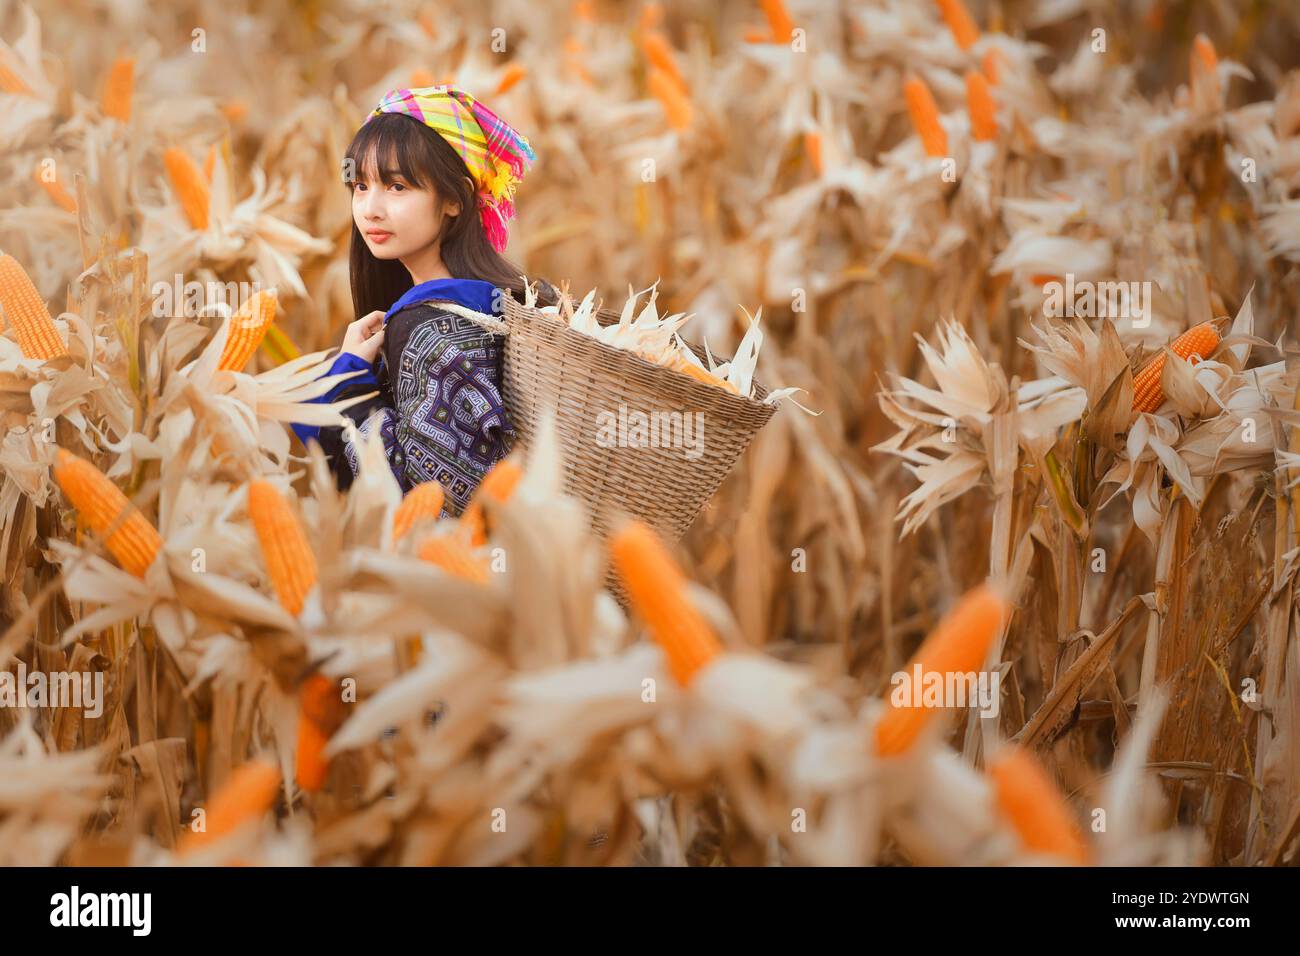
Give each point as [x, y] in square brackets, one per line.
[397, 219]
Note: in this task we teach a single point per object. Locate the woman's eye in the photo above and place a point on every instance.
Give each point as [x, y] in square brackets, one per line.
[398, 186]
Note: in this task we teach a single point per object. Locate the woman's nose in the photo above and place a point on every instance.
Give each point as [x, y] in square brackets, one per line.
[371, 203]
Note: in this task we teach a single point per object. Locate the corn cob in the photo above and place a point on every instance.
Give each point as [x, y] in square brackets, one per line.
[925, 117]
[320, 711]
[190, 186]
[26, 312]
[652, 14]
[958, 644]
[454, 556]
[247, 327]
[310, 766]
[980, 105]
[778, 20]
[1203, 66]
[421, 503]
[707, 377]
[991, 64]
[234, 110]
[509, 77]
[247, 794]
[289, 559]
[676, 104]
[56, 191]
[129, 536]
[1204, 57]
[660, 54]
[497, 485]
[812, 144]
[1201, 341]
[117, 90]
[11, 82]
[960, 22]
[1032, 804]
[657, 589]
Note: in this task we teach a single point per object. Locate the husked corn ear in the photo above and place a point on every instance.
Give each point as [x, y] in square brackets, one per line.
[658, 51]
[1204, 56]
[778, 20]
[10, 82]
[1200, 340]
[289, 558]
[248, 793]
[190, 185]
[25, 310]
[675, 100]
[960, 22]
[423, 502]
[983, 111]
[1032, 804]
[455, 557]
[497, 485]
[925, 117]
[958, 644]
[320, 712]
[657, 589]
[511, 75]
[652, 15]
[55, 190]
[247, 328]
[708, 378]
[129, 536]
[311, 766]
[118, 89]
[812, 144]
[991, 64]
[234, 110]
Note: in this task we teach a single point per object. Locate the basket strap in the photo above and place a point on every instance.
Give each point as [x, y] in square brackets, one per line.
[481, 319]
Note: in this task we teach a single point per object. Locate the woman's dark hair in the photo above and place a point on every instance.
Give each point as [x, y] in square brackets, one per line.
[426, 160]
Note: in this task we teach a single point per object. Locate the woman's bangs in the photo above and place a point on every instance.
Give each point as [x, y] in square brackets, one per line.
[396, 143]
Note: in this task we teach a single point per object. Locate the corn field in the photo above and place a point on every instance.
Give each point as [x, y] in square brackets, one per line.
[1026, 272]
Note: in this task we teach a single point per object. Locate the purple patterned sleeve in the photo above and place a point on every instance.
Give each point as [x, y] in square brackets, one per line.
[385, 419]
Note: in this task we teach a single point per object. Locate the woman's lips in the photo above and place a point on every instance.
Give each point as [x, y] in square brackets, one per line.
[379, 237]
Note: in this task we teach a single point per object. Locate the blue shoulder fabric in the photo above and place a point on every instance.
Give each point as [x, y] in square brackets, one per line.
[345, 362]
[477, 294]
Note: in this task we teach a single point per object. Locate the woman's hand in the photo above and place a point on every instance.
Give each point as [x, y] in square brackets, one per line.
[365, 336]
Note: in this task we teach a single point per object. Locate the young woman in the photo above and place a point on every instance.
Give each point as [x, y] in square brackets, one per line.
[432, 173]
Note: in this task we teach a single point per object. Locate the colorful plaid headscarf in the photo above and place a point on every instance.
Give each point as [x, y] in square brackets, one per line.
[494, 152]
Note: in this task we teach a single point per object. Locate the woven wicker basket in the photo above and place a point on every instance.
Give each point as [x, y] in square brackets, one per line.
[549, 365]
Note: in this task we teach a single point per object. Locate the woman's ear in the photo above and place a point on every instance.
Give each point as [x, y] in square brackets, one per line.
[452, 206]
